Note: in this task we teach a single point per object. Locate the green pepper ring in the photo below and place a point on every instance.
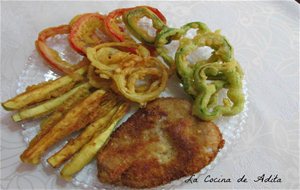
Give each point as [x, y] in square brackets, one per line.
[232, 80]
[222, 52]
[131, 19]
[166, 35]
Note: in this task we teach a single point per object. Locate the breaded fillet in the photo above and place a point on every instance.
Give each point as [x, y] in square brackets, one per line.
[158, 144]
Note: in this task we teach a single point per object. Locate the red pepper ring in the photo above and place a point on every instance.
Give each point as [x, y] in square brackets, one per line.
[84, 30]
[157, 12]
[52, 31]
[115, 31]
[50, 55]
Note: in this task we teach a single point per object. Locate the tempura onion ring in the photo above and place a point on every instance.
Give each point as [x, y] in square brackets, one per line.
[127, 70]
[153, 76]
[96, 81]
[108, 59]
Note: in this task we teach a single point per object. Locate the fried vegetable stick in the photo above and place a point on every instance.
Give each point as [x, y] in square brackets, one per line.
[75, 144]
[77, 118]
[59, 113]
[44, 91]
[62, 110]
[48, 106]
[89, 150]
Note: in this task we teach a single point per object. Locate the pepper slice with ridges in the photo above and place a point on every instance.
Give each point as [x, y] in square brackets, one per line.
[222, 51]
[113, 23]
[131, 19]
[166, 35]
[205, 79]
[87, 30]
[50, 55]
[225, 76]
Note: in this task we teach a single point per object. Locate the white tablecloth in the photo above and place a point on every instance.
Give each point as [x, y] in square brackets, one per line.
[265, 36]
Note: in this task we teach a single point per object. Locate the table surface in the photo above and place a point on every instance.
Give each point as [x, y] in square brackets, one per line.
[265, 36]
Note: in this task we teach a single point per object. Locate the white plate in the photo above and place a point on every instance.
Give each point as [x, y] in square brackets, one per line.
[37, 71]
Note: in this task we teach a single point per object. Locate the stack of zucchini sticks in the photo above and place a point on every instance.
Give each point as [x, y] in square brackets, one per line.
[70, 104]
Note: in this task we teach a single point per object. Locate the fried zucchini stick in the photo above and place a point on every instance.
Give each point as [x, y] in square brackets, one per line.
[75, 144]
[59, 113]
[77, 118]
[48, 106]
[89, 150]
[44, 91]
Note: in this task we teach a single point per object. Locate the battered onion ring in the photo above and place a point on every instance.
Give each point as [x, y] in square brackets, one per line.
[127, 70]
[153, 73]
[96, 81]
[111, 59]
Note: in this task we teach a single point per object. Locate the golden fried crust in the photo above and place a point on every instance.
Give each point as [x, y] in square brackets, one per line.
[158, 144]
